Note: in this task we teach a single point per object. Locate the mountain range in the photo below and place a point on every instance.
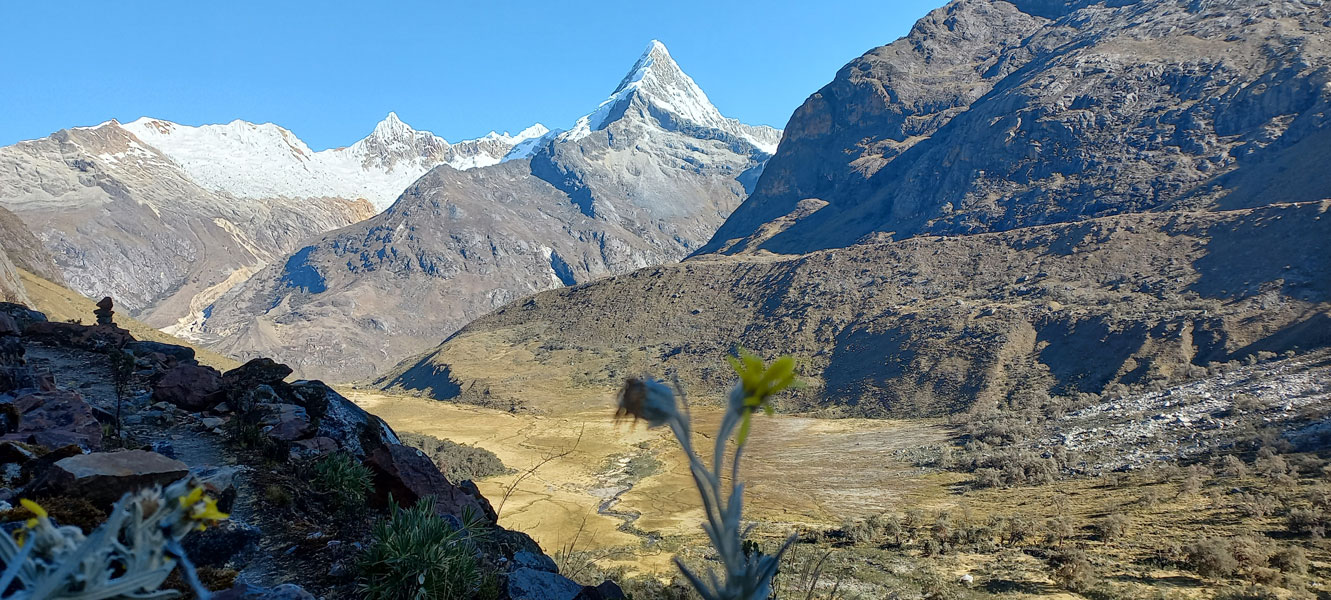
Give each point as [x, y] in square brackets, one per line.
[167, 217]
[1020, 199]
[644, 179]
[213, 232]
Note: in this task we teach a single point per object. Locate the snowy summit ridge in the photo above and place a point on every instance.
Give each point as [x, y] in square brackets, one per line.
[252, 161]
[247, 160]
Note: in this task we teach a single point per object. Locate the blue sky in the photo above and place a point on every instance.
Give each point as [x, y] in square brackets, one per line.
[329, 71]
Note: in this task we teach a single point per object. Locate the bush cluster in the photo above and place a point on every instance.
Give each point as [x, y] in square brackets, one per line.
[458, 462]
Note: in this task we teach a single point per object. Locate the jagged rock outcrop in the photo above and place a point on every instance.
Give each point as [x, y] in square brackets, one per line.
[993, 115]
[642, 180]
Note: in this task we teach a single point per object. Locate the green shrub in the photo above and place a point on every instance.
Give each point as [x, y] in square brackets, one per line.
[1212, 558]
[343, 479]
[1073, 571]
[456, 461]
[1309, 521]
[415, 554]
[1290, 559]
[1112, 527]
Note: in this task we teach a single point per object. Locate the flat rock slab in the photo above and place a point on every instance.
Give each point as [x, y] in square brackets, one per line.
[56, 418]
[103, 477]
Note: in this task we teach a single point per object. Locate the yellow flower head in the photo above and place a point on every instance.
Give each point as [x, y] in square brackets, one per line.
[192, 497]
[757, 383]
[201, 508]
[37, 511]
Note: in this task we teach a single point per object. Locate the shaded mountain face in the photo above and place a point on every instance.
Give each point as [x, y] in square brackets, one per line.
[167, 217]
[644, 179]
[921, 327]
[993, 115]
[19, 249]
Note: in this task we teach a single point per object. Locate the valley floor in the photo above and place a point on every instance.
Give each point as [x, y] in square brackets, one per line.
[657, 508]
[884, 509]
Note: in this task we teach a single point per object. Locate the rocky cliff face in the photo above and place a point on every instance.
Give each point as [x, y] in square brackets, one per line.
[19, 249]
[993, 115]
[644, 179]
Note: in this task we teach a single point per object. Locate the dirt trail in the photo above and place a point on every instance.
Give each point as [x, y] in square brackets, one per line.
[89, 373]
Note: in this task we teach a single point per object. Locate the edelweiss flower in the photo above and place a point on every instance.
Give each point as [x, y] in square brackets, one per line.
[646, 399]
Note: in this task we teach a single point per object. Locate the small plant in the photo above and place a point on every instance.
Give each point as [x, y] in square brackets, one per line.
[277, 495]
[416, 554]
[128, 556]
[343, 479]
[122, 372]
[1073, 571]
[1212, 558]
[745, 576]
[1112, 527]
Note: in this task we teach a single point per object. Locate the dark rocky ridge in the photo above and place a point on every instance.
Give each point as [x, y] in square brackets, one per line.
[925, 326]
[994, 115]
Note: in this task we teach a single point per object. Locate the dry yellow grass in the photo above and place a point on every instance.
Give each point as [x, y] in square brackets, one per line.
[786, 468]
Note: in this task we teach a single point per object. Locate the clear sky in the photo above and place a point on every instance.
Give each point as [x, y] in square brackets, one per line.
[330, 70]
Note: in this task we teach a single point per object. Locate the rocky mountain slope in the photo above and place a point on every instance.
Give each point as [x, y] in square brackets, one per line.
[167, 217]
[1085, 197]
[19, 251]
[923, 326]
[998, 114]
[644, 179]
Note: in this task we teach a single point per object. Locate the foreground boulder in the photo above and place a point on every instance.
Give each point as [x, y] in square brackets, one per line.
[532, 584]
[356, 432]
[55, 418]
[103, 477]
[260, 371]
[191, 387]
[21, 314]
[406, 475]
[147, 349]
[9, 326]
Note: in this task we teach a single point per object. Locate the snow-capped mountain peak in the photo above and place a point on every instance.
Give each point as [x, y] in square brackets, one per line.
[392, 128]
[672, 98]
